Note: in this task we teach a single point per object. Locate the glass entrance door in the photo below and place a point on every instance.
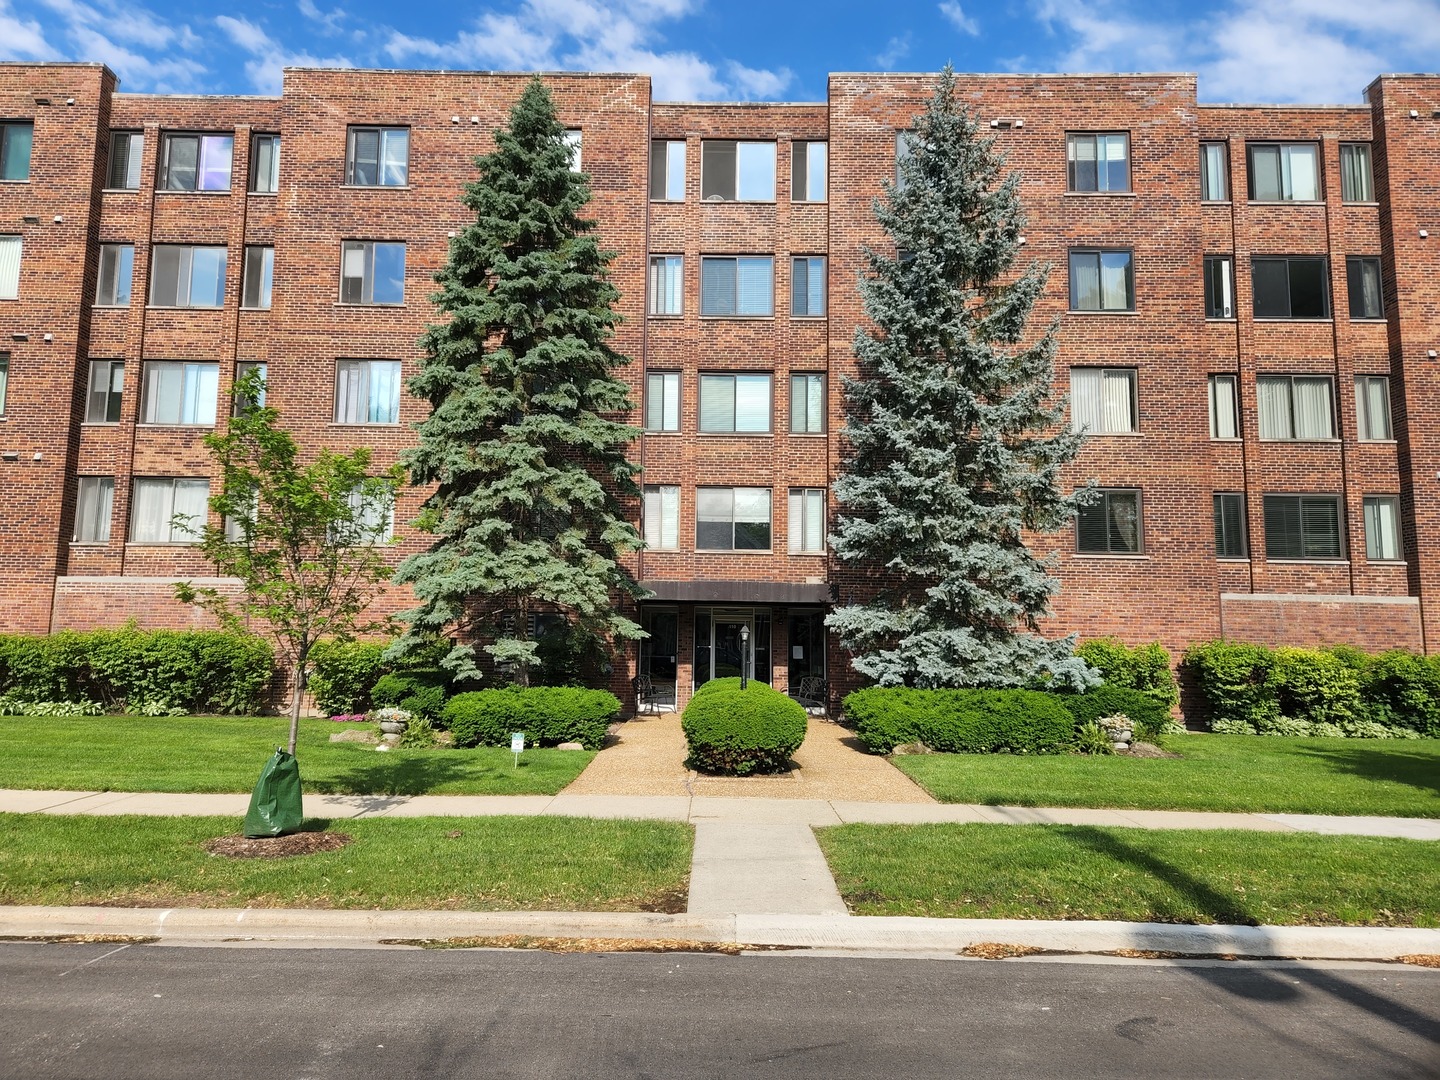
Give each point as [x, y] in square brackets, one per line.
[719, 650]
[730, 653]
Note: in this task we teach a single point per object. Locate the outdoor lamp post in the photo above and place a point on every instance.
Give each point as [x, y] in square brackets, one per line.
[744, 655]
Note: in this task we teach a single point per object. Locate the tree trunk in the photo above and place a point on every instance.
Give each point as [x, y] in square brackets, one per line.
[295, 713]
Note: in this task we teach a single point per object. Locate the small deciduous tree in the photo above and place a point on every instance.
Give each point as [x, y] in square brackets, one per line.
[523, 440]
[301, 538]
[954, 443]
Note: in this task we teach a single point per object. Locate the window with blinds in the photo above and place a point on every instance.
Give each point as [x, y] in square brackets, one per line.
[1382, 528]
[1214, 171]
[94, 505]
[127, 150]
[662, 401]
[807, 286]
[667, 284]
[1363, 282]
[807, 404]
[10, 267]
[732, 519]
[1295, 406]
[742, 285]
[733, 171]
[367, 392]
[1102, 400]
[1357, 182]
[1224, 411]
[1111, 525]
[735, 404]
[1102, 281]
[1372, 407]
[179, 392]
[807, 521]
[168, 509]
[1284, 172]
[1302, 527]
[1230, 525]
[1098, 161]
[661, 517]
[377, 156]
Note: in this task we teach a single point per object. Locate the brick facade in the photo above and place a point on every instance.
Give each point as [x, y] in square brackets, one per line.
[1174, 589]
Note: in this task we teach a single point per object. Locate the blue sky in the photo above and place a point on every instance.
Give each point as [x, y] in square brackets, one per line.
[1309, 51]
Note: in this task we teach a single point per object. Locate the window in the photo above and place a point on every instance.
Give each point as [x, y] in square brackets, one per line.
[1219, 287]
[1223, 411]
[372, 272]
[1382, 528]
[377, 157]
[737, 171]
[904, 150]
[372, 506]
[1302, 527]
[573, 139]
[1366, 298]
[9, 267]
[662, 401]
[179, 392]
[738, 286]
[1372, 407]
[1295, 407]
[240, 528]
[4, 380]
[807, 521]
[265, 164]
[196, 162]
[667, 170]
[1357, 182]
[94, 503]
[1214, 171]
[187, 277]
[242, 402]
[1230, 526]
[1290, 288]
[127, 150]
[662, 517]
[259, 277]
[15, 139]
[732, 519]
[808, 167]
[1101, 281]
[1098, 162]
[807, 286]
[117, 269]
[735, 404]
[807, 404]
[367, 392]
[1111, 525]
[168, 510]
[1284, 172]
[667, 284]
[107, 382]
[1102, 400]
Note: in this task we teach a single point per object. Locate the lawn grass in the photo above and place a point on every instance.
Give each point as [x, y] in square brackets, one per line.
[226, 753]
[471, 864]
[1397, 778]
[1135, 875]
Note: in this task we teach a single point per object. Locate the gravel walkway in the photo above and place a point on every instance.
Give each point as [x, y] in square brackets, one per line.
[649, 760]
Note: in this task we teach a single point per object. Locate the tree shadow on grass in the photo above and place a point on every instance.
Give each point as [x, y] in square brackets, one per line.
[400, 774]
[1372, 763]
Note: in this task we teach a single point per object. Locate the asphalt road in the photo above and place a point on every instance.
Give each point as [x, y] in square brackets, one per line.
[151, 1013]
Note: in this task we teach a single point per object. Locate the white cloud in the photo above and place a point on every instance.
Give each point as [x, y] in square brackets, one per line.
[22, 39]
[268, 60]
[896, 49]
[956, 17]
[327, 22]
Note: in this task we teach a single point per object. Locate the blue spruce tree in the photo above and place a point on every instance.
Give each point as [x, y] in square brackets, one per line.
[954, 442]
[524, 440]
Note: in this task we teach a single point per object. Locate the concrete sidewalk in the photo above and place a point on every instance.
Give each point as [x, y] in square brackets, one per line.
[701, 808]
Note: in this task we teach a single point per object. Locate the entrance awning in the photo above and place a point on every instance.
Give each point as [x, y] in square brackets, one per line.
[738, 592]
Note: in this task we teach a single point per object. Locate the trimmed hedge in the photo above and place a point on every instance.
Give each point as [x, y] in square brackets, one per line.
[1145, 668]
[342, 674]
[1147, 716]
[1253, 689]
[739, 732]
[130, 670]
[961, 721]
[548, 715]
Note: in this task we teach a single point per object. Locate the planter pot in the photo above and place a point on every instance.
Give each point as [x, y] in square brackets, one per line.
[392, 727]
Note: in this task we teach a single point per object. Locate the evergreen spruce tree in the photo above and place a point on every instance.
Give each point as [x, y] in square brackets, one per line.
[522, 439]
[954, 446]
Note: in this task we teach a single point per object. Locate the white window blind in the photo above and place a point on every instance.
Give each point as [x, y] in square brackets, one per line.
[180, 393]
[662, 401]
[9, 267]
[93, 507]
[1372, 403]
[1295, 407]
[1102, 400]
[807, 520]
[168, 510]
[1222, 407]
[667, 281]
[662, 517]
[1382, 528]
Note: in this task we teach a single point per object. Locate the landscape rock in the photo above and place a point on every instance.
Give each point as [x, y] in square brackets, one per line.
[353, 736]
[569, 746]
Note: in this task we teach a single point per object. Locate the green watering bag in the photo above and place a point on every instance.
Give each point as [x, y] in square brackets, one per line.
[275, 803]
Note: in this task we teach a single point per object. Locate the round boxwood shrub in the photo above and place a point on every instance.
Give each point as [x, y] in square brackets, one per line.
[1146, 714]
[739, 732]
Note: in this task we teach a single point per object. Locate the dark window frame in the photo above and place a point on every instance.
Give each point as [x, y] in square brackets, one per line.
[1305, 537]
[353, 164]
[1073, 176]
[1355, 269]
[1232, 531]
[1098, 517]
[167, 170]
[1289, 262]
[1099, 253]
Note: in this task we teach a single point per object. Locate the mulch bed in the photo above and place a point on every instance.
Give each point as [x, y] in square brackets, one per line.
[276, 847]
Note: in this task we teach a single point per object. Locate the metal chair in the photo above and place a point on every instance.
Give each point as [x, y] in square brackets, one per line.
[812, 693]
[653, 697]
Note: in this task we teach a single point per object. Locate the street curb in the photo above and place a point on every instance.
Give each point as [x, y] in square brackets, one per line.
[865, 933]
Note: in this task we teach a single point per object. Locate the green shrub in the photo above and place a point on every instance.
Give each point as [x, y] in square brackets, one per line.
[740, 732]
[548, 715]
[1091, 738]
[1402, 690]
[732, 683]
[342, 674]
[1314, 685]
[1145, 668]
[1147, 716]
[961, 721]
[128, 668]
[1235, 680]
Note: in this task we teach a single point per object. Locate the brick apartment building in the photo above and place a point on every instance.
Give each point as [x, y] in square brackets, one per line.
[1249, 295]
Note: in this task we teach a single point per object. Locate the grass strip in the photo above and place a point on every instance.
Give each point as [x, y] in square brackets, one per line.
[1171, 876]
[226, 753]
[1247, 773]
[467, 864]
